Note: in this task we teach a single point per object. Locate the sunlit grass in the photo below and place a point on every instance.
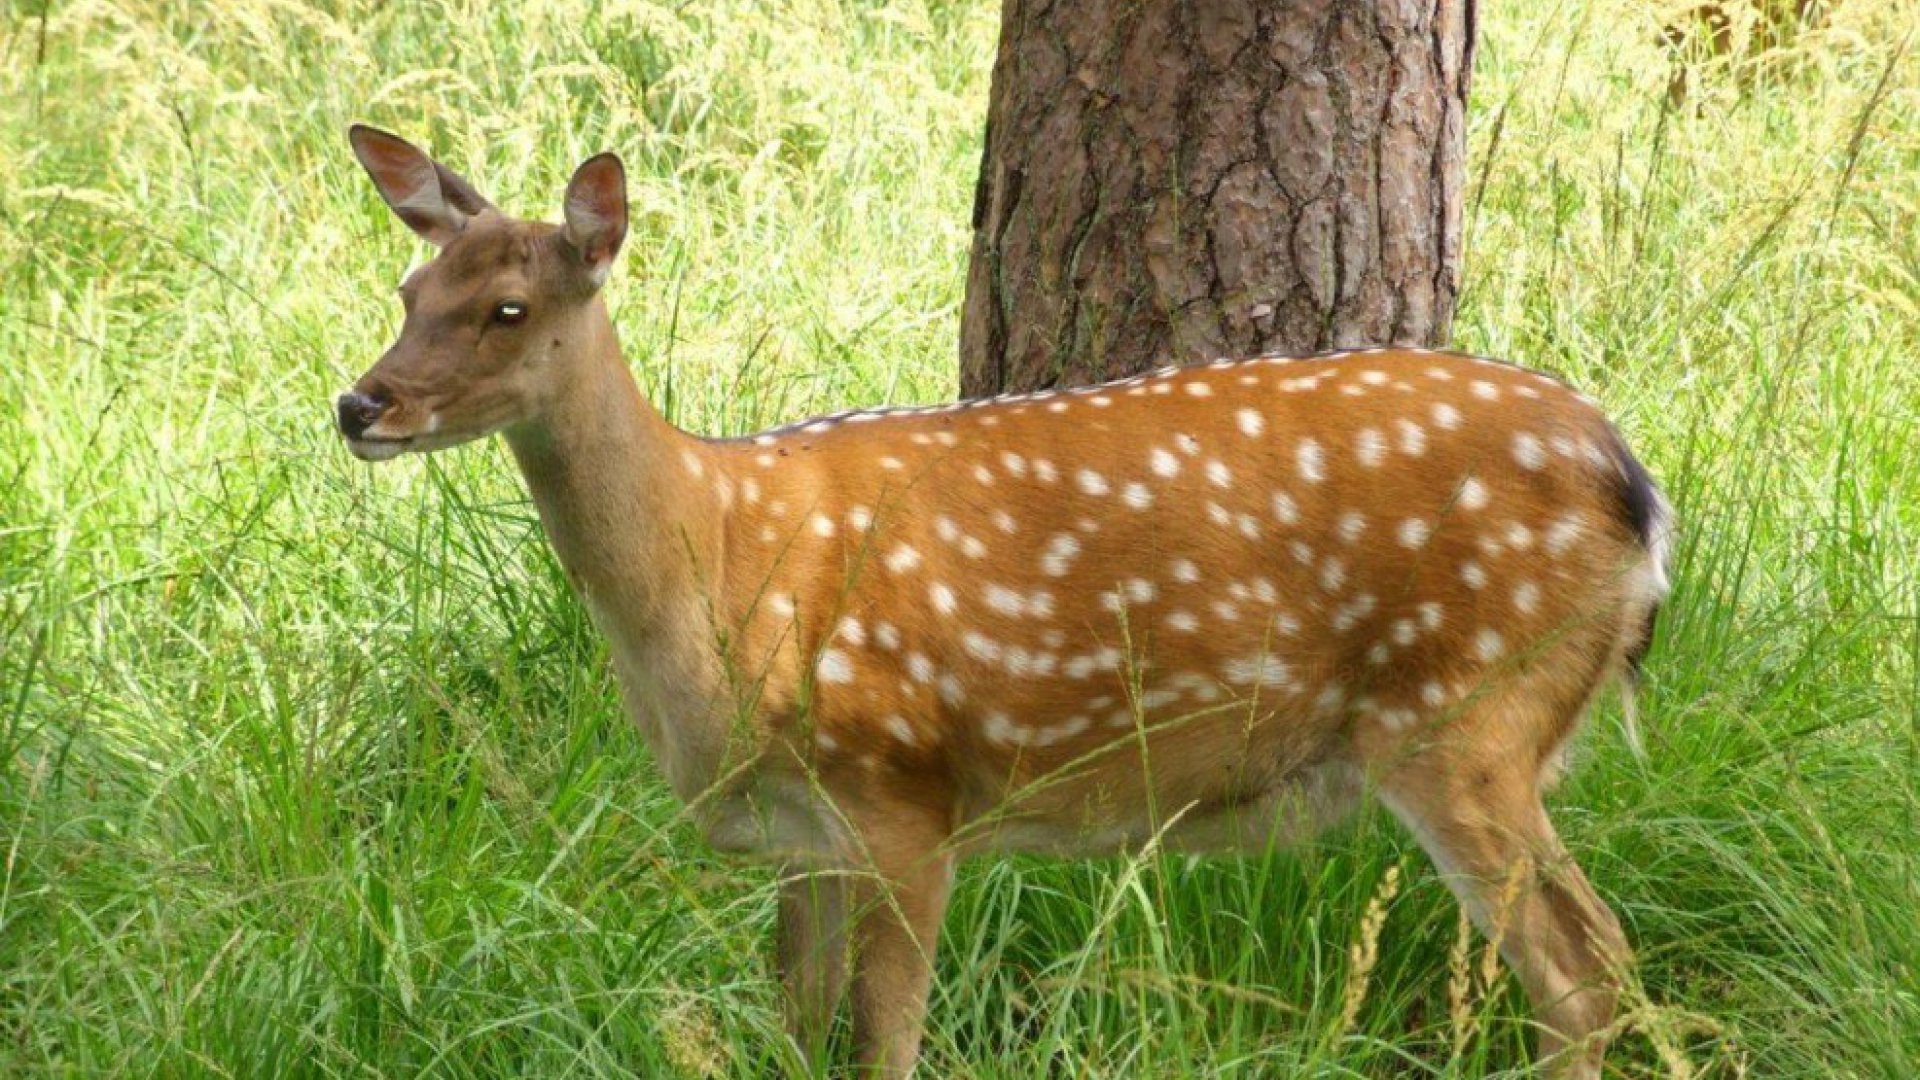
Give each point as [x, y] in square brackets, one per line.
[315, 768]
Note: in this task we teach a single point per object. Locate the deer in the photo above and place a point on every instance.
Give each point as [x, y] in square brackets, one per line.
[1214, 607]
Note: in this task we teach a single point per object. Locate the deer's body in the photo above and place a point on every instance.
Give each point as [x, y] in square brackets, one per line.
[1217, 605]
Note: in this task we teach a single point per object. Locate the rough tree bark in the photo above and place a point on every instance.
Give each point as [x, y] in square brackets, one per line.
[1167, 181]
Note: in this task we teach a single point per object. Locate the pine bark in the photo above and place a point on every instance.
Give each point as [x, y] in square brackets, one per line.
[1173, 181]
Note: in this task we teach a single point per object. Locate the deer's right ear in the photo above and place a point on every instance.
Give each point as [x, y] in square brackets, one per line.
[596, 214]
[432, 199]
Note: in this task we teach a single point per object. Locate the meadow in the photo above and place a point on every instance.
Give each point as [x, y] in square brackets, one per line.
[314, 769]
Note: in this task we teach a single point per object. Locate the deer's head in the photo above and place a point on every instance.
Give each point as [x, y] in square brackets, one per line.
[491, 318]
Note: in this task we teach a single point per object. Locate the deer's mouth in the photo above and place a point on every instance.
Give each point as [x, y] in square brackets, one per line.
[376, 448]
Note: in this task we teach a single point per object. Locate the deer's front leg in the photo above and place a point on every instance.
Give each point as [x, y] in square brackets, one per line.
[896, 926]
[812, 954]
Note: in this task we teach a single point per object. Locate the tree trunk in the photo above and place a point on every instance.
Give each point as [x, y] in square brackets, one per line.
[1168, 182]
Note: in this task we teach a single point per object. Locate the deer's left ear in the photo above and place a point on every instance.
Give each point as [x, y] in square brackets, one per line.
[596, 214]
[432, 199]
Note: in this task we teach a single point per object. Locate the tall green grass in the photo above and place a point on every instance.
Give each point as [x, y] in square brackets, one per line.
[313, 768]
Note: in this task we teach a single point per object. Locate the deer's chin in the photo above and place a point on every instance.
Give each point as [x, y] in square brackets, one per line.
[387, 447]
[378, 449]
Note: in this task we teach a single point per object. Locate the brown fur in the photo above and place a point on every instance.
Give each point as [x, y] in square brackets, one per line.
[860, 645]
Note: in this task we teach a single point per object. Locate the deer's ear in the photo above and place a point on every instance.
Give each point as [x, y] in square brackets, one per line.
[596, 214]
[432, 199]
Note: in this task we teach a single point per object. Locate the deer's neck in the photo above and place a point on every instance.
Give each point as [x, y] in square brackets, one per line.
[636, 530]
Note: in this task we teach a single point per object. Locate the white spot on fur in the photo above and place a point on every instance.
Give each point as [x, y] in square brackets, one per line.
[902, 559]
[1413, 533]
[1351, 525]
[1473, 494]
[1413, 437]
[1397, 719]
[1488, 645]
[980, 646]
[1333, 573]
[1445, 416]
[835, 667]
[1528, 451]
[1430, 615]
[1370, 447]
[1562, 534]
[1526, 597]
[1091, 482]
[1251, 423]
[1163, 462]
[1005, 601]
[1311, 460]
[1059, 554]
[1473, 574]
[1266, 669]
[903, 733]
[942, 597]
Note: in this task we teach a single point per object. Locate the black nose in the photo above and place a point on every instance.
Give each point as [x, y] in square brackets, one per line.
[358, 411]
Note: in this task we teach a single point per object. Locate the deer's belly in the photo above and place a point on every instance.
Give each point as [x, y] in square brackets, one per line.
[1284, 813]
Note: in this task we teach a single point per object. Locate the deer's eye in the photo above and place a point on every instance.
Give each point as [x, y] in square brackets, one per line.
[509, 312]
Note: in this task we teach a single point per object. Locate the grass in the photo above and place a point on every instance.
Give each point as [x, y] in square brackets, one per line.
[313, 769]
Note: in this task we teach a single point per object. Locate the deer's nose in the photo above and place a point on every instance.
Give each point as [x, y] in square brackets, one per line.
[357, 412]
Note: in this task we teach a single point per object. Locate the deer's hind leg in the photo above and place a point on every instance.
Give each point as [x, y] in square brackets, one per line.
[1471, 796]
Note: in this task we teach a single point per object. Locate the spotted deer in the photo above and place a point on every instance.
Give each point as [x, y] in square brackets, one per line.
[1211, 607]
